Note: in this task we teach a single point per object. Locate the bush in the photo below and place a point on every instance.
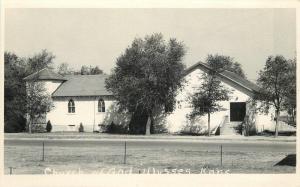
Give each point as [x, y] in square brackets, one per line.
[81, 129]
[158, 128]
[38, 128]
[113, 128]
[251, 131]
[14, 124]
[239, 128]
[48, 126]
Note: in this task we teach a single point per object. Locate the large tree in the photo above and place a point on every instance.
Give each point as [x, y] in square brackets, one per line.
[96, 70]
[64, 69]
[235, 67]
[39, 61]
[90, 70]
[147, 76]
[290, 101]
[38, 101]
[16, 101]
[207, 97]
[14, 93]
[227, 63]
[274, 80]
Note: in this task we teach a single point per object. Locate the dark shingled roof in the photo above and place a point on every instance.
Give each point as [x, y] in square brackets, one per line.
[82, 85]
[228, 75]
[44, 74]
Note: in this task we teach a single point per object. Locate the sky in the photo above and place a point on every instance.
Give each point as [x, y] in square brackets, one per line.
[98, 36]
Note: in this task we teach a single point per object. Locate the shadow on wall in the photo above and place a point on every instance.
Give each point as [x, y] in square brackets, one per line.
[194, 126]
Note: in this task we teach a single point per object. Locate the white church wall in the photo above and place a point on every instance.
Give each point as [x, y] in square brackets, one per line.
[178, 118]
[52, 85]
[49, 85]
[86, 112]
[267, 121]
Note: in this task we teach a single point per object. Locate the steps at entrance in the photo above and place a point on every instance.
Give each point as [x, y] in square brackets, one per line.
[229, 128]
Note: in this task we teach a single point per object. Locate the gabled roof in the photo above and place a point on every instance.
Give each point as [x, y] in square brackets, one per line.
[229, 76]
[94, 85]
[44, 74]
[82, 85]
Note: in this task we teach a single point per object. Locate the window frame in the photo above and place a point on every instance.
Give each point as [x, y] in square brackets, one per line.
[71, 106]
[101, 105]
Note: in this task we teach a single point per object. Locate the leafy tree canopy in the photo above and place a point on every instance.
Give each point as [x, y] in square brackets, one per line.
[90, 70]
[274, 81]
[64, 69]
[207, 97]
[14, 93]
[148, 74]
[15, 98]
[221, 63]
[39, 61]
[277, 80]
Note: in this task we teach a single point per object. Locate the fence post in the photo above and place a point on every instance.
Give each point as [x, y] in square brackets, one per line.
[10, 170]
[43, 158]
[125, 154]
[221, 156]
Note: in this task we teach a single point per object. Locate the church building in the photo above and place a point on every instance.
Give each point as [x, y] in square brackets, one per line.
[83, 99]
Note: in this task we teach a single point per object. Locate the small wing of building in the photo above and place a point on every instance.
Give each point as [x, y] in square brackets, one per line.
[78, 99]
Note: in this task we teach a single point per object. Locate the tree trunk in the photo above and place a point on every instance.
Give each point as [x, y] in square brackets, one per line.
[277, 120]
[246, 126]
[152, 125]
[29, 124]
[148, 126]
[30, 127]
[208, 127]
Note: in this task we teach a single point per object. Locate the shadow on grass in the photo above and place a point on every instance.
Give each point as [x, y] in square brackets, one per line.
[289, 160]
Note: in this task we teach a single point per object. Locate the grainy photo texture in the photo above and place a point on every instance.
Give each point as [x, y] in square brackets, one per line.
[150, 91]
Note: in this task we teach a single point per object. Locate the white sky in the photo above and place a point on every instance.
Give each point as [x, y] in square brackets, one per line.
[99, 36]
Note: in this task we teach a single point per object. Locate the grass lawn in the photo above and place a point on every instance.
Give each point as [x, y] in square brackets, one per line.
[166, 157]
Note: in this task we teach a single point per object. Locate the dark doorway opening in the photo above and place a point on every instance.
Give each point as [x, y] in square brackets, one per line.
[237, 111]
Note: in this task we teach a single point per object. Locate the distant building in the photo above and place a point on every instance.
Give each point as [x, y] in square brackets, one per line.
[84, 99]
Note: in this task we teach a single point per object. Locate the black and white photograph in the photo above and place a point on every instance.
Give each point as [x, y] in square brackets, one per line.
[149, 91]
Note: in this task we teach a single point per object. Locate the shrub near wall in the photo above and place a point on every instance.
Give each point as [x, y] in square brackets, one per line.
[247, 127]
[48, 126]
[38, 128]
[81, 129]
[114, 128]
